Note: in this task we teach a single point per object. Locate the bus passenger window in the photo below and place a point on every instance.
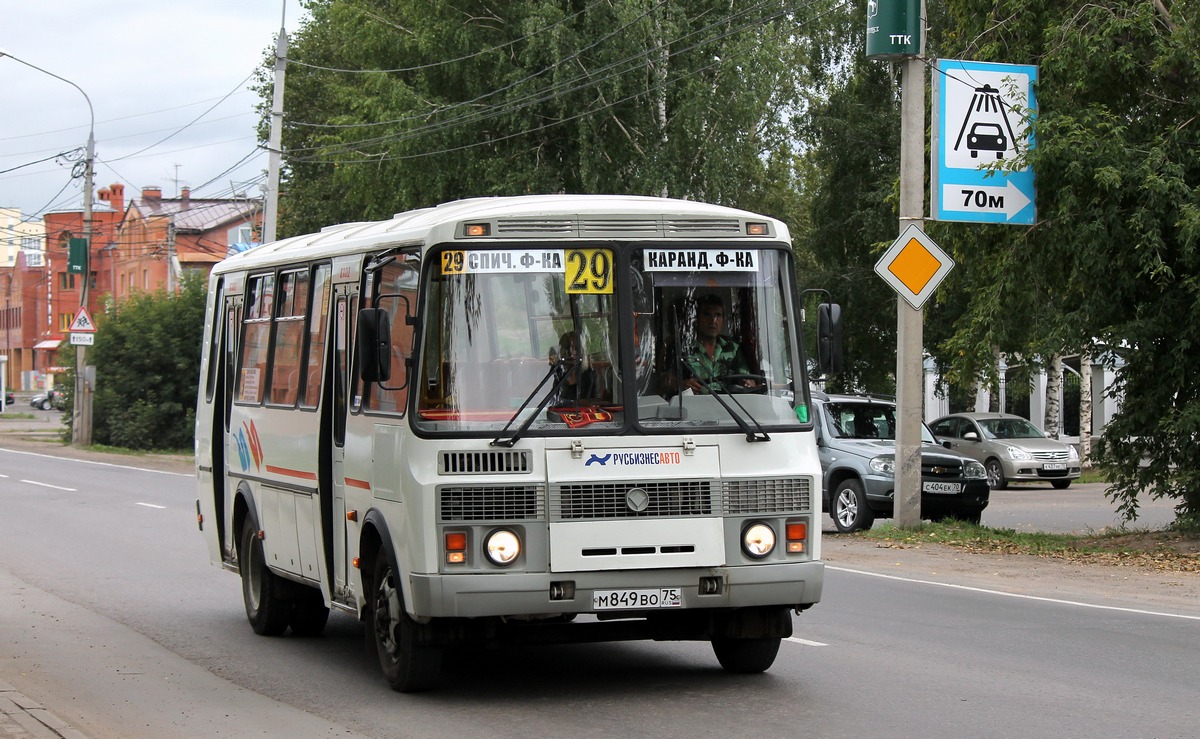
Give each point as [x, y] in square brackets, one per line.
[291, 305]
[318, 328]
[252, 367]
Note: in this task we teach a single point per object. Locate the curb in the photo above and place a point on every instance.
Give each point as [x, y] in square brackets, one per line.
[21, 717]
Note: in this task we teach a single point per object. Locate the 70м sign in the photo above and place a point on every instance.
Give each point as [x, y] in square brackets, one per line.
[1008, 200]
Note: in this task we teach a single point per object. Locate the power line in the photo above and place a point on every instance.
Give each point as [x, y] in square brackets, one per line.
[190, 123]
[432, 65]
[542, 96]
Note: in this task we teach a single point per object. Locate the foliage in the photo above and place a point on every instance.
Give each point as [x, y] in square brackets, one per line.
[1111, 266]
[853, 140]
[147, 360]
[399, 104]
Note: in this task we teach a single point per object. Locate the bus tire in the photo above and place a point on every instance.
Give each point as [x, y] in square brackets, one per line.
[310, 614]
[407, 666]
[746, 656]
[267, 612]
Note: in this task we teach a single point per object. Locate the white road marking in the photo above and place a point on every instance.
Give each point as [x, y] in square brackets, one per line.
[1016, 595]
[91, 461]
[150, 505]
[48, 485]
[806, 642]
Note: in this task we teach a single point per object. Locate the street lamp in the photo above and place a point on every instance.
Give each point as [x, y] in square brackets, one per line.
[81, 432]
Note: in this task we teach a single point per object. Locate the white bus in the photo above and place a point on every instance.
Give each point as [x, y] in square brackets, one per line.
[466, 424]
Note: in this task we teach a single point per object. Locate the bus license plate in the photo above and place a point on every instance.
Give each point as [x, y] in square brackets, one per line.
[1054, 466]
[941, 487]
[610, 600]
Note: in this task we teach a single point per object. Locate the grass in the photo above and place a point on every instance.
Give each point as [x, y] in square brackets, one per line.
[139, 452]
[1169, 549]
[1093, 474]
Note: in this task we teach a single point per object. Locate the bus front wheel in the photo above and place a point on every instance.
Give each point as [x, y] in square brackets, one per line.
[408, 665]
[268, 613]
[746, 656]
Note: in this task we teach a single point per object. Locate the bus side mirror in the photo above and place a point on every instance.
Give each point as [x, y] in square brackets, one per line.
[374, 342]
[829, 338]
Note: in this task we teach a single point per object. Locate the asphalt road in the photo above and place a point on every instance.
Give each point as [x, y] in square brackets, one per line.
[111, 616]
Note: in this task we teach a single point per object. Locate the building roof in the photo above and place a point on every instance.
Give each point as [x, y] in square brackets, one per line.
[197, 214]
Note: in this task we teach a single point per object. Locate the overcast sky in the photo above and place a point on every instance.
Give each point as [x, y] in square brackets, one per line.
[167, 81]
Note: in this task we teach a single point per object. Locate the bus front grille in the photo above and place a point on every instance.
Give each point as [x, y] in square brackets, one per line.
[459, 503]
[511, 461]
[704, 226]
[771, 495]
[589, 501]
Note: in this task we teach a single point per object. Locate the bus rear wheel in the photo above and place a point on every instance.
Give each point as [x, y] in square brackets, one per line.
[407, 665]
[268, 613]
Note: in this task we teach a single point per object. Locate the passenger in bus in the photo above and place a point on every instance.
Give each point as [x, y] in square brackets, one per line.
[712, 355]
[577, 382]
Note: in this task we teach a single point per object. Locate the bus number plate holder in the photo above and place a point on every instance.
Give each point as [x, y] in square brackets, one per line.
[613, 600]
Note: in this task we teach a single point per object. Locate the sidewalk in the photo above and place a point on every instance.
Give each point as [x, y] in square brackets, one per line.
[22, 718]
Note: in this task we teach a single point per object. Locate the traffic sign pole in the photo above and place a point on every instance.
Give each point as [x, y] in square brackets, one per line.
[906, 502]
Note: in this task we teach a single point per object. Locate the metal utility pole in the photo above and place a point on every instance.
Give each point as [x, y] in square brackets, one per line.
[275, 140]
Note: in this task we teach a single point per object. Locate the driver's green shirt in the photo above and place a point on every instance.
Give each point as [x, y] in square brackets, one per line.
[726, 360]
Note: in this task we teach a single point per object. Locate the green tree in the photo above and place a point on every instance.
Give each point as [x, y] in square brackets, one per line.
[1111, 267]
[399, 104]
[147, 358]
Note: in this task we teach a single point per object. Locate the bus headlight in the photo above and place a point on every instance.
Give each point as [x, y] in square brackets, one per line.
[758, 540]
[502, 547]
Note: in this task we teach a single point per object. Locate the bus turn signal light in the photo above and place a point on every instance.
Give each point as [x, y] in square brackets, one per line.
[796, 534]
[456, 547]
[756, 229]
[478, 229]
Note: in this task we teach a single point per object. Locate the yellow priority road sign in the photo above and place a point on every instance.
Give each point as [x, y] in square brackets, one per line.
[914, 266]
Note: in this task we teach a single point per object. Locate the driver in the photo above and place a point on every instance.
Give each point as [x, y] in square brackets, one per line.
[712, 355]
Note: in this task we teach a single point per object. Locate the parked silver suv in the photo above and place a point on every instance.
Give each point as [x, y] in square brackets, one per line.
[856, 441]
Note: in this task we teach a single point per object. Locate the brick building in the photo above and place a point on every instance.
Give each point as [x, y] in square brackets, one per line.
[143, 246]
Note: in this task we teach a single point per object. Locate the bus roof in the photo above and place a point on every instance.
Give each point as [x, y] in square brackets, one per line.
[522, 217]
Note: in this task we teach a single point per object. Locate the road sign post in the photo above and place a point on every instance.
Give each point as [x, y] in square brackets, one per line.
[981, 116]
[905, 40]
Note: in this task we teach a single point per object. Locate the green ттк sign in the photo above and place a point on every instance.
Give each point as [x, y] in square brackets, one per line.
[77, 255]
[893, 28]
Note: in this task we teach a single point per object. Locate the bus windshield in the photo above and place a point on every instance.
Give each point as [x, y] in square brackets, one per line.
[531, 337]
[503, 329]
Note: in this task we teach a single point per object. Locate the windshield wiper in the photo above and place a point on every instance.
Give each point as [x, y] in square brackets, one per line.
[512, 440]
[751, 434]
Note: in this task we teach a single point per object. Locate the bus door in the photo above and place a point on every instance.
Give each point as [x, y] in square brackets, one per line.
[375, 424]
[223, 406]
[213, 420]
[345, 534]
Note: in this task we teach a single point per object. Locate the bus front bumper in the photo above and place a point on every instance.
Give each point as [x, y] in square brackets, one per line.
[792, 585]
